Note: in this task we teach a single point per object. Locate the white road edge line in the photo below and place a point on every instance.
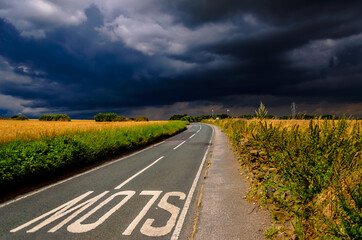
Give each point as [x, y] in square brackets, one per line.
[182, 217]
[78, 175]
[179, 145]
[192, 136]
[129, 179]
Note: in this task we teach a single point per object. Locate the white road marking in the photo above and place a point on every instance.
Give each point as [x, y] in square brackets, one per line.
[78, 175]
[78, 227]
[179, 145]
[182, 217]
[192, 136]
[57, 211]
[143, 212]
[62, 211]
[73, 208]
[129, 179]
[147, 228]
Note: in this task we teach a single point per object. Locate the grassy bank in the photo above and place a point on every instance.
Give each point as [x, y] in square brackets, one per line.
[307, 173]
[24, 162]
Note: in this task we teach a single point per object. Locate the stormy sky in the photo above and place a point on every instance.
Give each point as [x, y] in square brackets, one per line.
[162, 57]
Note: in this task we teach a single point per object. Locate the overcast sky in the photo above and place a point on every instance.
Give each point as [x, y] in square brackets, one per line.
[162, 57]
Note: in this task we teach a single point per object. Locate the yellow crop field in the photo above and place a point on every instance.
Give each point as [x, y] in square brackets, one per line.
[304, 124]
[35, 129]
[288, 124]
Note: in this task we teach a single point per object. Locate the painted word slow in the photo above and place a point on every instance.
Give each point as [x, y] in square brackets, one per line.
[84, 206]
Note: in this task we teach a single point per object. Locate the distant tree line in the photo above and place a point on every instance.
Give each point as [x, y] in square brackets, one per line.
[113, 117]
[306, 117]
[186, 117]
[100, 117]
[16, 117]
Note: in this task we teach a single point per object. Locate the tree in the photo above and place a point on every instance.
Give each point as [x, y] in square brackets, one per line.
[141, 118]
[177, 117]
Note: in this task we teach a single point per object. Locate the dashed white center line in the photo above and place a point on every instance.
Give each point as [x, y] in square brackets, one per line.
[129, 179]
[192, 136]
[179, 145]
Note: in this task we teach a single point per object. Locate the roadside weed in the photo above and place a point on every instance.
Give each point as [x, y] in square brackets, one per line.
[316, 177]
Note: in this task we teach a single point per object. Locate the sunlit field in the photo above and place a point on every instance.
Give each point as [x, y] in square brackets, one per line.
[59, 147]
[35, 129]
[288, 124]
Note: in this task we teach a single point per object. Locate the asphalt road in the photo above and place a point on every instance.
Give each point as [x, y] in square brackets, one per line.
[149, 194]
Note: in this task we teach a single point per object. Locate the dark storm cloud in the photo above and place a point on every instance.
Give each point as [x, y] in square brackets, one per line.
[88, 56]
[77, 71]
[277, 12]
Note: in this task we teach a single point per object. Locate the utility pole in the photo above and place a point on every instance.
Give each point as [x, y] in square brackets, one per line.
[212, 113]
[227, 112]
[294, 109]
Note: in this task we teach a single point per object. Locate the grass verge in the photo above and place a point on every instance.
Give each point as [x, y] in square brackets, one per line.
[307, 175]
[27, 162]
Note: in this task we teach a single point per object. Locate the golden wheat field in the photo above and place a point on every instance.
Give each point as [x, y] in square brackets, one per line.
[283, 123]
[286, 123]
[303, 124]
[35, 129]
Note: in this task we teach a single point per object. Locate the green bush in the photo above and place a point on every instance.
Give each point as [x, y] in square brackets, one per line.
[54, 117]
[109, 117]
[22, 117]
[120, 118]
[141, 119]
[177, 117]
[105, 117]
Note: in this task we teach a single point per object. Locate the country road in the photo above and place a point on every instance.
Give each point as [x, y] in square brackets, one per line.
[149, 194]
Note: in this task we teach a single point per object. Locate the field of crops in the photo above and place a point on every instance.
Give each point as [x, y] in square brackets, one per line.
[35, 129]
[34, 151]
[307, 173]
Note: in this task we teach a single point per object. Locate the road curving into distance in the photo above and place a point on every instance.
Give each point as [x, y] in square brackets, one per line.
[149, 194]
